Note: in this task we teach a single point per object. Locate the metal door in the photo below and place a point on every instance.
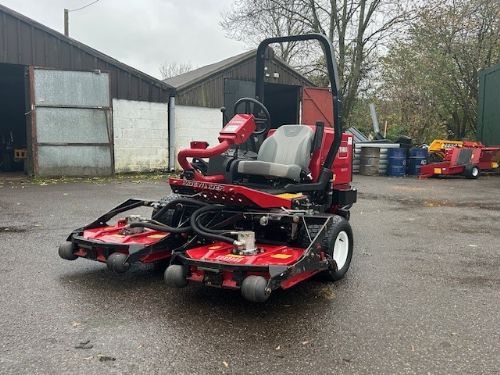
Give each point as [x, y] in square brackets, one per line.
[71, 127]
[317, 105]
[488, 131]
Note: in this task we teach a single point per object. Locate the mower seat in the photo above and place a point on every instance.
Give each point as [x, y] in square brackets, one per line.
[285, 154]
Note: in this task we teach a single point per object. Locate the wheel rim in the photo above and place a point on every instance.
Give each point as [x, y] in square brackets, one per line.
[475, 171]
[341, 249]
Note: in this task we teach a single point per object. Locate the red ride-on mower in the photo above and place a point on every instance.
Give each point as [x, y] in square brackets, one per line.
[269, 219]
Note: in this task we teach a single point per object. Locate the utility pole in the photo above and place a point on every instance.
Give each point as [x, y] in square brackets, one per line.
[66, 15]
[66, 22]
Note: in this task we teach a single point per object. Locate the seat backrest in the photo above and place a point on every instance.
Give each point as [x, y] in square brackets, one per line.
[290, 144]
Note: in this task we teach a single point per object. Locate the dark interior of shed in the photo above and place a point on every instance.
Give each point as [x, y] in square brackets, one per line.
[282, 101]
[12, 117]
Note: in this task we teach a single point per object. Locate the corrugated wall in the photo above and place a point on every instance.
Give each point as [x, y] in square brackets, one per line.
[210, 91]
[26, 42]
[72, 123]
[489, 106]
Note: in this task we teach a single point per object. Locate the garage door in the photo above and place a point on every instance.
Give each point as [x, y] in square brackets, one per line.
[71, 132]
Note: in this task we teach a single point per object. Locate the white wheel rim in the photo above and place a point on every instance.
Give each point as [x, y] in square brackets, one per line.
[341, 249]
[475, 172]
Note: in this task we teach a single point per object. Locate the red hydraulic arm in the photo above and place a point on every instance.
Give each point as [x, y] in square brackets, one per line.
[236, 131]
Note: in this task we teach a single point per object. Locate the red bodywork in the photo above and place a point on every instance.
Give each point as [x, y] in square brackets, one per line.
[485, 158]
[221, 253]
[112, 235]
[231, 194]
[243, 196]
[236, 131]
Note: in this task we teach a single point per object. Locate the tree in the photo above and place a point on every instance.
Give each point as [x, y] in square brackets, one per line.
[355, 27]
[432, 75]
[169, 70]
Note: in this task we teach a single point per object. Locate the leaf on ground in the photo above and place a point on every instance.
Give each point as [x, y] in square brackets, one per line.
[105, 358]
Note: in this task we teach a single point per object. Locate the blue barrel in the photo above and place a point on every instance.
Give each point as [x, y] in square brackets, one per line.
[418, 157]
[396, 165]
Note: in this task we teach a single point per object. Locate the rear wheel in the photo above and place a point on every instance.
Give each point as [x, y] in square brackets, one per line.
[169, 216]
[471, 171]
[337, 245]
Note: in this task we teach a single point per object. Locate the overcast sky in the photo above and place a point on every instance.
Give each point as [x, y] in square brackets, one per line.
[143, 34]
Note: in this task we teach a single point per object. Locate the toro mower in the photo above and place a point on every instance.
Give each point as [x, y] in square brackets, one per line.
[269, 209]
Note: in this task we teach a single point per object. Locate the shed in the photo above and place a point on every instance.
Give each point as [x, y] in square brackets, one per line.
[489, 106]
[202, 92]
[72, 109]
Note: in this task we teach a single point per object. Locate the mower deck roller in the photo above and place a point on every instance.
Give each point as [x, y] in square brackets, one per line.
[264, 219]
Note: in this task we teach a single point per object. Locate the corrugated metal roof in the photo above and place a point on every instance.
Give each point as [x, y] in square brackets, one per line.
[357, 135]
[25, 41]
[197, 75]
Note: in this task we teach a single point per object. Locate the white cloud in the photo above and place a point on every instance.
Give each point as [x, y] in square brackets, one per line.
[143, 34]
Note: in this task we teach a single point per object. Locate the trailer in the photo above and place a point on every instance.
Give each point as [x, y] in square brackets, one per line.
[469, 159]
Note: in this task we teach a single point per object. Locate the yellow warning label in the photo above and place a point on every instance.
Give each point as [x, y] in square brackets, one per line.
[281, 256]
[215, 247]
[437, 170]
[289, 195]
[157, 236]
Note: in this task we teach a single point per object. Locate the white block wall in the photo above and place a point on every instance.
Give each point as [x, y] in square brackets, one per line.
[140, 135]
[196, 124]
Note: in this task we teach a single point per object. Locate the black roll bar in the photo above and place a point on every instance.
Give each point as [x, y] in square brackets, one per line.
[332, 75]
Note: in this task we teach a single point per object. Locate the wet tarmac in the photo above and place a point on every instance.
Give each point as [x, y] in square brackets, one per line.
[422, 295]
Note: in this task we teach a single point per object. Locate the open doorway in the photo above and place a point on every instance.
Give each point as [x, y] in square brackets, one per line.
[13, 139]
[282, 102]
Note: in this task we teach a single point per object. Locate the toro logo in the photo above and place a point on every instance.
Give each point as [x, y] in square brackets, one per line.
[203, 185]
[230, 258]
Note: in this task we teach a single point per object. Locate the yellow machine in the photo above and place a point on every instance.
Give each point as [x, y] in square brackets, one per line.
[439, 145]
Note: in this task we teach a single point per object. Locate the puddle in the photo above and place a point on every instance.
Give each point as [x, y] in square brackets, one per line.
[12, 229]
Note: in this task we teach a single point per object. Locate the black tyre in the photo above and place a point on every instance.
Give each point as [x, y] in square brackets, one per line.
[471, 171]
[66, 250]
[254, 289]
[337, 244]
[117, 262]
[168, 217]
[175, 276]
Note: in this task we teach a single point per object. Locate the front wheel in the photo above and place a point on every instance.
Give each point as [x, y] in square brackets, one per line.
[338, 246]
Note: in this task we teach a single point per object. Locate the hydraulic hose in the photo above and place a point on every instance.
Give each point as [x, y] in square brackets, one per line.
[191, 201]
[160, 228]
[208, 230]
[198, 229]
[164, 227]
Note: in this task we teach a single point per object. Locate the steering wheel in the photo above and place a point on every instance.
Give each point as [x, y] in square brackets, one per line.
[262, 117]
